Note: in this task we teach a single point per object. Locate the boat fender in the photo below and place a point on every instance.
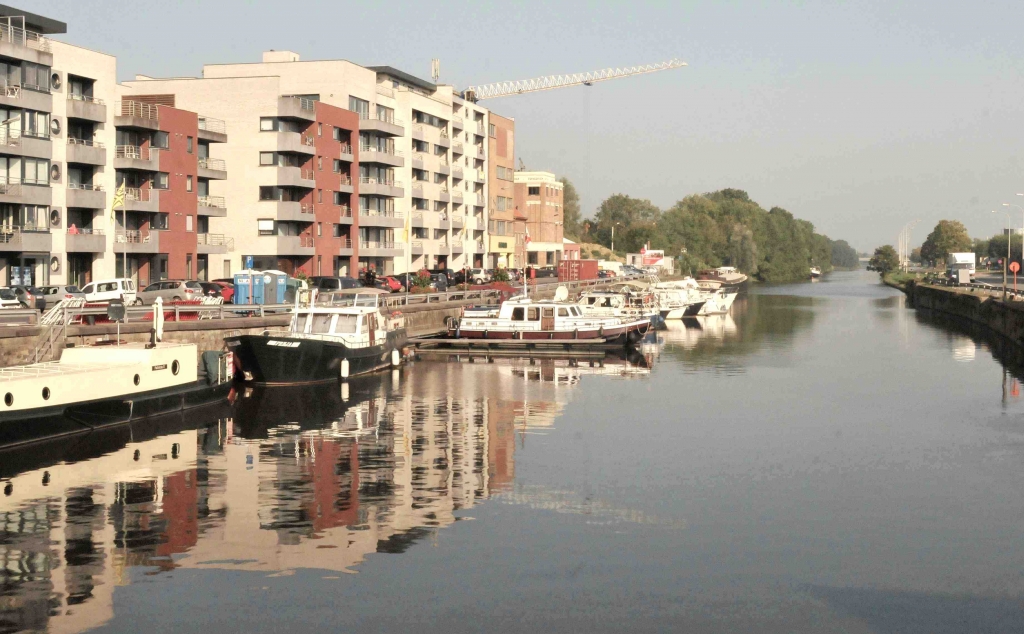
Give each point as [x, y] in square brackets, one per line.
[396, 359]
[576, 333]
[344, 369]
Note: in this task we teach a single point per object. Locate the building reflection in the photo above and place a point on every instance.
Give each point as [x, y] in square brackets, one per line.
[307, 478]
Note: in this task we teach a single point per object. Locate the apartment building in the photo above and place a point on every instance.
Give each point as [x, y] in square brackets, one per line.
[67, 140]
[342, 167]
[540, 195]
[506, 228]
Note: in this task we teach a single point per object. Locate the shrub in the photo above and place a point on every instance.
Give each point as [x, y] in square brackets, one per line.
[500, 275]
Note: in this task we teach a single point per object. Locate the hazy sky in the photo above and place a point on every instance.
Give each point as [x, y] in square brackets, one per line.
[858, 116]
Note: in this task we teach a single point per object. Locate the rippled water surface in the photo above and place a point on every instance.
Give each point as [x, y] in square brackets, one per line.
[823, 460]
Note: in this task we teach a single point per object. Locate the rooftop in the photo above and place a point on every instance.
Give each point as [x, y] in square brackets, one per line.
[33, 22]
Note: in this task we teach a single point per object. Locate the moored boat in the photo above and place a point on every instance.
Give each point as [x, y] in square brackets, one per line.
[626, 303]
[727, 275]
[332, 336]
[815, 272]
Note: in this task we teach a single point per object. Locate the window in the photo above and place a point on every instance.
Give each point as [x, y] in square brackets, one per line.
[337, 134]
[160, 222]
[266, 158]
[320, 163]
[37, 171]
[518, 314]
[319, 129]
[534, 191]
[188, 183]
[160, 180]
[188, 146]
[35, 77]
[161, 140]
[338, 199]
[319, 195]
[319, 229]
[492, 131]
[265, 227]
[534, 314]
[337, 166]
[562, 312]
[188, 266]
[188, 223]
[355, 104]
[268, 124]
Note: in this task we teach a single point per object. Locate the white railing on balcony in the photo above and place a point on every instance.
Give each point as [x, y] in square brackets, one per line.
[87, 142]
[84, 231]
[307, 175]
[13, 91]
[306, 241]
[10, 186]
[417, 188]
[387, 92]
[344, 243]
[215, 240]
[21, 37]
[367, 180]
[346, 180]
[457, 120]
[134, 152]
[374, 148]
[386, 117]
[419, 156]
[213, 201]
[344, 211]
[212, 125]
[213, 164]
[417, 216]
[137, 194]
[85, 98]
[377, 244]
[308, 140]
[306, 208]
[132, 236]
[480, 128]
[456, 244]
[456, 171]
[417, 127]
[393, 213]
[9, 137]
[138, 109]
[346, 148]
[457, 147]
[86, 187]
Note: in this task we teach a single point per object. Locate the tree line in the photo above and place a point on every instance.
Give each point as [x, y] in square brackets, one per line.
[722, 228]
[950, 236]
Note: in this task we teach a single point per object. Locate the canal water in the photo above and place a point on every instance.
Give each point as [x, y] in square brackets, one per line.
[822, 460]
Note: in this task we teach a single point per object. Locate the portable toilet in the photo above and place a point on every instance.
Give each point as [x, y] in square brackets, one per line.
[249, 287]
[275, 287]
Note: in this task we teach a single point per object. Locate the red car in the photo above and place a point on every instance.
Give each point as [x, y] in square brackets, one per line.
[227, 290]
[392, 283]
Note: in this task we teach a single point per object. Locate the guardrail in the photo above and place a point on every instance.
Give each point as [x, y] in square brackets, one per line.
[213, 164]
[212, 125]
[138, 109]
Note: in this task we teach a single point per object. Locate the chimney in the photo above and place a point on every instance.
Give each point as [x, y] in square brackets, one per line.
[279, 56]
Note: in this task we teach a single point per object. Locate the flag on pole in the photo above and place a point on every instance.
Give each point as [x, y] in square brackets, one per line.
[119, 197]
[527, 241]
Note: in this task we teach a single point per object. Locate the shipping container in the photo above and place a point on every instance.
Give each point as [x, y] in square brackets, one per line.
[577, 270]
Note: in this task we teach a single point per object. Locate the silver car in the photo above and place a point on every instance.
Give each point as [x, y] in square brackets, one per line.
[171, 291]
[55, 294]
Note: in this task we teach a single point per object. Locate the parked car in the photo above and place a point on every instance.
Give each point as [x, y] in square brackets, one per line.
[171, 291]
[8, 298]
[110, 290]
[30, 297]
[449, 275]
[211, 289]
[390, 283]
[56, 294]
[546, 271]
[227, 290]
[604, 274]
[333, 282]
[439, 282]
[479, 276]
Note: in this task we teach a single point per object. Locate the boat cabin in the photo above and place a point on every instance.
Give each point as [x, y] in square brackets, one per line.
[352, 315]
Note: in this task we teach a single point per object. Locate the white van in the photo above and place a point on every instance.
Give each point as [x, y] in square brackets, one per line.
[107, 290]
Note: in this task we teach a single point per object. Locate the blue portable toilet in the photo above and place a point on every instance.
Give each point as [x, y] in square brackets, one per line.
[249, 287]
[275, 286]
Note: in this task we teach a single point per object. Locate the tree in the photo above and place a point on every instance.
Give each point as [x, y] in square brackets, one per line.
[885, 260]
[843, 255]
[949, 236]
[571, 217]
[622, 212]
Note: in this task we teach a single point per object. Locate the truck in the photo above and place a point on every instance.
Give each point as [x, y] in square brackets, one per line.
[957, 262]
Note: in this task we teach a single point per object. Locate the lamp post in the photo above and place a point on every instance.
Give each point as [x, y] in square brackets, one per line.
[1006, 262]
[614, 224]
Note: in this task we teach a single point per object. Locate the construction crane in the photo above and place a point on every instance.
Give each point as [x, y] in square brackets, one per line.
[506, 88]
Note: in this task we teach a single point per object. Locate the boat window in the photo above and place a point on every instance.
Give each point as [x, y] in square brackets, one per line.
[563, 312]
[369, 300]
[518, 314]
[576, 311]
[346, 324]
[300, 322]
[549, 312]
[362, 324]
[321, 324]
[534, 314]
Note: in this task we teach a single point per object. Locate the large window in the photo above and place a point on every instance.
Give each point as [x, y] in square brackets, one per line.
[35, 124]
[161, 140]
[534, 191]
[265, 227]
[37, 171]
[35, 76]
[355, 104]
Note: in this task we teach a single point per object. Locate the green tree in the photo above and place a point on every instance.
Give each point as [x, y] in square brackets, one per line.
[623, 212]
[571, 218]
[843, 255]
[885, 260]
[949, 236]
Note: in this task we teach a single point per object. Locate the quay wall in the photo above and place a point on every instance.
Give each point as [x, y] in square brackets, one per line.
[975, 305]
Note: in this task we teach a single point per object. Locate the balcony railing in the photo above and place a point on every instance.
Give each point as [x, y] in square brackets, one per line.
[457, 243]
[457, 119]
[346, 179]
[86, 187]
[134, 152]
[346, 148]
[12, 90]
[213, 164]
[377, 244]
[215, 240]
[21, 37]
[137, 194]
[383, 116]
[307, 175]
[84, 231]
[88, 142]
[364, 211]
[344, 211]
[374, 148]
[85, 98]
[366, 180]
[10, 186]
[417, 188]
[387, 92]
[480, 128]
[308, 140]
[138, 109]
[9, 137]
[212, 125]
[457, 147]
[213, 201]
[344, 243]
[306, 208]
[132, 236]
[12, 233]
[306, 241]
[306, 103]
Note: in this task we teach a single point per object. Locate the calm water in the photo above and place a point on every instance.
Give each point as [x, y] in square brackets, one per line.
[823, 460]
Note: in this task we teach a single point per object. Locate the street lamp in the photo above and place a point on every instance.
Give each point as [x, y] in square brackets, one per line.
[1006, 262]
[614, 224]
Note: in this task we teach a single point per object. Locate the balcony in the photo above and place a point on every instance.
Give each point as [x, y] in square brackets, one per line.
[373, 154]
[86, 152]
[345, 185]
[344, 214]
[417, 189]
[300, 108]
[383, 124]
[214, 206]
[25, 45]
[296, 143]
[419, 160]
[480, 153]
[457, 172]
[372, 186]
[214, 243]
[457, 246]
[385, 91]
[457, 196]
[457, 147]
[25, 239]
[457, 123]
[133, 157]
[294, 245]
[88, 108]
[136, 199]
[346, 153]
[212, 130]
[86, 196]
[85, 241]
[287, 210]
[212, 168]
[373, 248]
[20, 143]
[136, 241]
[294, 177]
[345, 246]
[134, 114]
[443, 168]
[417, 247]
[374, 218]
[442, 139]
[15, 96]
[480, 128]
[24, 192]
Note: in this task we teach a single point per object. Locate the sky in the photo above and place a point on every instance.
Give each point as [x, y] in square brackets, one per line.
[858, 116]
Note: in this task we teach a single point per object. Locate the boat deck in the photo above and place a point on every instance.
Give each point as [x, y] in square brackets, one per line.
[55, 368]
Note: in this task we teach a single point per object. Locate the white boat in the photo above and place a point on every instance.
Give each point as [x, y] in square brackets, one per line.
[727, 275]
[679, 298]
[332, 336]
[815, 272]
[626, 303]
[720, 297]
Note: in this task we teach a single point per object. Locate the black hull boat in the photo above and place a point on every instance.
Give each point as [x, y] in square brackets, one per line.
[283, 360]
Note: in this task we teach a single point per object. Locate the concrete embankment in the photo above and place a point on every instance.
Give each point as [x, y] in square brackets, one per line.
[976, 305]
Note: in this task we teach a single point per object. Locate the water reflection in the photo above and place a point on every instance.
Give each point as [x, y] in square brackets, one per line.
[291, 478]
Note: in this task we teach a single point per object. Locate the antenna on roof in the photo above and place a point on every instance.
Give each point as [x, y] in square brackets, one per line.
[435, 69]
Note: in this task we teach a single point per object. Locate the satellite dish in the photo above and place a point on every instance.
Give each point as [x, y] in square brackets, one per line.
[561, 294]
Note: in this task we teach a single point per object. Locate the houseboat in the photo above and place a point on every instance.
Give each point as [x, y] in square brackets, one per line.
[626, 303]
[680, 298]
[727, 275]
[332, 336]
[720, 297]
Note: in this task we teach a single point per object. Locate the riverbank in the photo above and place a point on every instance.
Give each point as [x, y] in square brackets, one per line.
[975, 305]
